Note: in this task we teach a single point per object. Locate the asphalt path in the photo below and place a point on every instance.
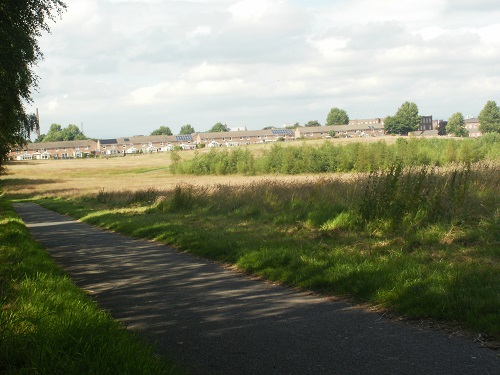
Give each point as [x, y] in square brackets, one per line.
[217, 321]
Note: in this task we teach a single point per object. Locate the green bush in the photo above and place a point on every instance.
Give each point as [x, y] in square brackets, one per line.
[353, 157]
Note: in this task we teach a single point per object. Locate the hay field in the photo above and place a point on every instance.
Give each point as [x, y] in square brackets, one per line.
[66, 178]
[62, 178]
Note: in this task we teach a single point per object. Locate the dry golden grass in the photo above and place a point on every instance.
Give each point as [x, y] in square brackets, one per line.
[39, 178]
[79, 177]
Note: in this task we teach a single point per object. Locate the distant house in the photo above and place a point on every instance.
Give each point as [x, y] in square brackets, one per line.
[427, 127]
[472, 125]
[55, 150]
[238, 129]
[356, 129]
[376, 122]
[144, 144]
[244, 137]
[426, 123]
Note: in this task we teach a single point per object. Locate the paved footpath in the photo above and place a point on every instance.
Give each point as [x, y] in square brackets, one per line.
[221, 322]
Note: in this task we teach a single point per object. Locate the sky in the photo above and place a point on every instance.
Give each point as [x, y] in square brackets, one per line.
[126, 67]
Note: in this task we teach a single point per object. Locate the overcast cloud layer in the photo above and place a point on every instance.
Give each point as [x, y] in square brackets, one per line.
[125, 67]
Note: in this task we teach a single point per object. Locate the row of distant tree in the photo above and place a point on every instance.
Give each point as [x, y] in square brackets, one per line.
[405, 120]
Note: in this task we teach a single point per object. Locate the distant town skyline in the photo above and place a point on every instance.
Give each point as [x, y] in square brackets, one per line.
[128, 67]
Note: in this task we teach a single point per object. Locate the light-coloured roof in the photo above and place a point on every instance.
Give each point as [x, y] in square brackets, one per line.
[338, 128]
[61, 144]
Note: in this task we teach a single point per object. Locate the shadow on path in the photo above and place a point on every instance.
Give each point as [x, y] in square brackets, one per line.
[221, 322]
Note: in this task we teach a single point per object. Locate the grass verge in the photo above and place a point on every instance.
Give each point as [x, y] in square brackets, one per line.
[420, 242]
[49, 326]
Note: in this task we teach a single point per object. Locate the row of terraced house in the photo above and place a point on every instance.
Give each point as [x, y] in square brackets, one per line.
[162, 143]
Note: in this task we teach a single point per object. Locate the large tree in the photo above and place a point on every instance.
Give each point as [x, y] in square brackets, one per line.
[21, 23]
[456, 125]
[58, 133]
[337, 116]
[404, 121]
[217, 128]
[186, 130]
[162, 130]
[489, 118]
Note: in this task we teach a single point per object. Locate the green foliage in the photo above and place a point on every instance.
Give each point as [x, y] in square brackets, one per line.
[404, 121]
[236, 161]
[420, 240]
[337, 116]
[22, 22]
[442, 127]
[489, 118]
[456, 125]
[415, 197]
[58, 133]
[311, 123]
[353, 157]
[162, 130]
[218, 127]
[186, 130]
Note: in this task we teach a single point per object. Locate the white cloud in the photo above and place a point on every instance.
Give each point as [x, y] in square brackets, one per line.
[250, 9]
[146, 63]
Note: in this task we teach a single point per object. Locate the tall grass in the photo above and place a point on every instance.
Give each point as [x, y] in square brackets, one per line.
[422, 241]
[353, 157]
[49, 326]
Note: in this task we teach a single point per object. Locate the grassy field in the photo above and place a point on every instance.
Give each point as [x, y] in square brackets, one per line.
[422, 243]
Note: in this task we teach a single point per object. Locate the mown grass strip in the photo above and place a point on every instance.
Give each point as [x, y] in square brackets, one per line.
[49, 326]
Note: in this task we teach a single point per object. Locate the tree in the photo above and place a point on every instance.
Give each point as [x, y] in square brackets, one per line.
[314, 123]
[72, 133]
[337, 117]
[456, 125]
[404, 121]
[186, 129]
[58, 133]
[489, 118]
[442, 127]
[219, 127]
[390, 125]
[54, 134]
[21, 23]
[162, 130]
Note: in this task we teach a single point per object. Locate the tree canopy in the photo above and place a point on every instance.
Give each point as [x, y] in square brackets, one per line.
[489, 118]
[456, 125]
[314, 123]
[21, 23]
[162, 130]
[219, 127]
[404, 121]
[58, 133]
[337, 116]
[186, 129]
